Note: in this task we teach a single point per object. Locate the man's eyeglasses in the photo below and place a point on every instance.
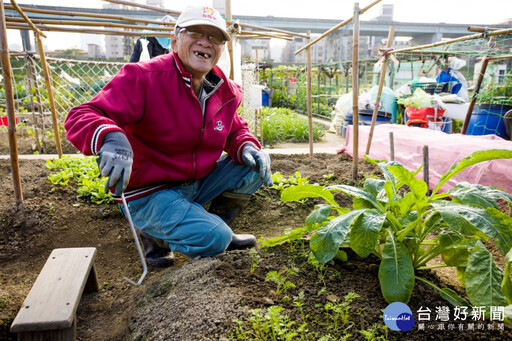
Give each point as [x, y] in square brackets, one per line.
[199, 35]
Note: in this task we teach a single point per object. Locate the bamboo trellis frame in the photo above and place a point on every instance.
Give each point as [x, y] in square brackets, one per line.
[9, 100]
[309, 99]
[355, 91]
[40, 25]
[485, 61]
[343, 23]
[379, 90]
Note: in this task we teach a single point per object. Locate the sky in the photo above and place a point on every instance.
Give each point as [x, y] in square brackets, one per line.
[474, 12]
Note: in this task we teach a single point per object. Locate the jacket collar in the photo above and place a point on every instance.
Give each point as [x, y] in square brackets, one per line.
[212, 82]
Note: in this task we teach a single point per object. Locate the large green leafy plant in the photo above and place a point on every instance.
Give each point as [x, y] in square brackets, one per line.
[395, 219]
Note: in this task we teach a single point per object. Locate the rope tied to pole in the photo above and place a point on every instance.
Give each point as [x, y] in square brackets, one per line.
[385, 52]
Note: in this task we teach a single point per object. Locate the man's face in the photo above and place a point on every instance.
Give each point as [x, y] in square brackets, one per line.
[198, 53]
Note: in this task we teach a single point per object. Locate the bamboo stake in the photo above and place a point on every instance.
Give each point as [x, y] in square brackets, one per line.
[309, 102]
[256, 123]
[230, 43]
[25, 18]
[88, 23]
[456, 40]
[480, 29]
[343, 23]
[229, 22]
[485, 62]
[274, 30]
[426, 166]
[261, 126]
[85, 14]
[49, 89]
[20, 26]
[38, 99]
[9, 102]
[257, 33]
[45, 27]
[32, 104]
[355, 91]
[391, 146]
[379, 90]
[507, 56]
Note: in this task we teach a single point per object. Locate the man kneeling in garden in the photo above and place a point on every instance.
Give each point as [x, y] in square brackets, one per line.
[159, 128]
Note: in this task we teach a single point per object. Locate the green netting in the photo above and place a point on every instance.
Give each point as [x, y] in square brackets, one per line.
[73, 82]
[493, 101]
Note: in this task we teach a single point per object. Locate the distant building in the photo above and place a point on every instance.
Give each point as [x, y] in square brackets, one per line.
[337, 46]
[114, 45]
[249, 47]
[94, 51]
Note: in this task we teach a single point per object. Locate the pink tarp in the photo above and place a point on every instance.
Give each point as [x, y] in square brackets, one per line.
[444, 151]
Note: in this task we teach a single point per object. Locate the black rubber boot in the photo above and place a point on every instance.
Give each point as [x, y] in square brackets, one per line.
[228, 206]
[156, 251]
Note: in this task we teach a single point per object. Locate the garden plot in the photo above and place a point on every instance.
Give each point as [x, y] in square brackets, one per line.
[200, 299]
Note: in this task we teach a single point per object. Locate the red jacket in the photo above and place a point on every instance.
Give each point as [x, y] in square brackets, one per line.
[153, 104]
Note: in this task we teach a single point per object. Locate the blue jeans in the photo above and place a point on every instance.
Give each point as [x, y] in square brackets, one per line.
[176, 214]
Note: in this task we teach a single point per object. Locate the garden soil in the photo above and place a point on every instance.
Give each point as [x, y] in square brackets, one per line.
[199, 299]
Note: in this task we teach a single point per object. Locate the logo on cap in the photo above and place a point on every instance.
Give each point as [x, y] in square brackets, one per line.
[209, 13]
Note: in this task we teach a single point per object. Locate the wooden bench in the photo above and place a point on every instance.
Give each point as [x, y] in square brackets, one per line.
[48, 312]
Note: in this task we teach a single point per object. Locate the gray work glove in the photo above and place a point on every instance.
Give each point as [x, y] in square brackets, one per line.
[115, 161]
[259, 162]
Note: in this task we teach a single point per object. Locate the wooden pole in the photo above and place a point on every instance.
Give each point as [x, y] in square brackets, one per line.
[490, 58]
[355, 91]
[309, 103]
[22, 26]
[230, 44]
[256, 123]
[343, 23]
[32, 105]
[379, 90]
[391, 146]
[9, 102]
[49, 89]
[229, 22]
[480, 29]
[426, 166]
[485, 62]
[88, 23]
[85, 14]
[456, 40]
[260, 111]
[38, 99]
[25, 18]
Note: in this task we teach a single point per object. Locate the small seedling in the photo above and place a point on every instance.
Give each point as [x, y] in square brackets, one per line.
[256, 259]
[282, 283]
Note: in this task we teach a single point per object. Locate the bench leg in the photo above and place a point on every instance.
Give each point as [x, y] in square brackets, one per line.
[92, 281]
[66, 334]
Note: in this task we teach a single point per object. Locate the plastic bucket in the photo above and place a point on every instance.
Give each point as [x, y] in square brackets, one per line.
[488, 119]
[365, 117]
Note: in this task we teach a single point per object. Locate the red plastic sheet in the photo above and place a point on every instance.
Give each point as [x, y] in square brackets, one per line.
[444, 151]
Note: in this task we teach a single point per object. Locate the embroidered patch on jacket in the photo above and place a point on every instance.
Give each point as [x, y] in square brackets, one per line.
[219, 126]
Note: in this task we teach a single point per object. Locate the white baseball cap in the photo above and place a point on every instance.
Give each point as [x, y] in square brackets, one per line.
[203, 15]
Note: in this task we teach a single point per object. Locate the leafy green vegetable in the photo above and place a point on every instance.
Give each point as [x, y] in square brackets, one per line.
[84, 171]
[396, 220]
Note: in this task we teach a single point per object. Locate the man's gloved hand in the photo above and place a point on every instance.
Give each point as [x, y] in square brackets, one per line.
[115, 161]
[259, 162]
